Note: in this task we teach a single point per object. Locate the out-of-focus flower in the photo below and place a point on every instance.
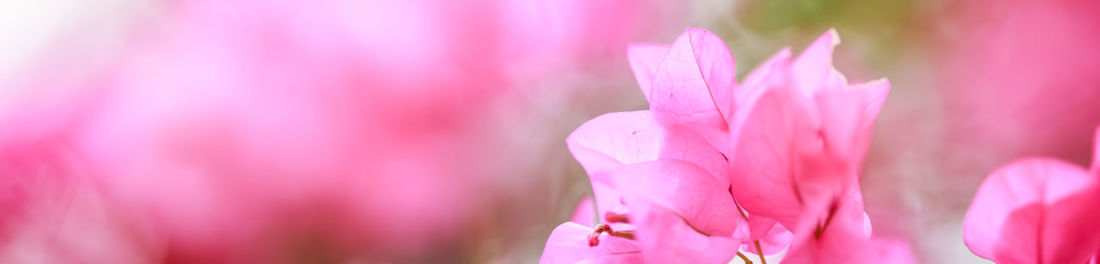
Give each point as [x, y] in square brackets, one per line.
[329, 131]
[791, 140]
[1008, 67]
[1036, 210]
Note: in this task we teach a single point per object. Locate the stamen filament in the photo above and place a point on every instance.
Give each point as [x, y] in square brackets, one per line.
[743, 257]
[760, 252]
[613, 217]
[594, 237]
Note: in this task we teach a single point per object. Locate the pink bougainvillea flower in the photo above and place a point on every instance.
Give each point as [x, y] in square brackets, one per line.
[1035, 210]
[676, 214]
[790, 124]
[683, 123]
[672, 129]
[800, 137]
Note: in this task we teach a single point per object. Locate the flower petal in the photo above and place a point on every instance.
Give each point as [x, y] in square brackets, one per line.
[843, 239]
[772, 242]
[615, 139]
[813, 69]
[695, 81]
[585, 214]
[1035, 211]
[766, 147]
[568, 243]
[644, 59]
[683, 188]
[611, 140]
[664, 237]
[847, 117]
[767, 74]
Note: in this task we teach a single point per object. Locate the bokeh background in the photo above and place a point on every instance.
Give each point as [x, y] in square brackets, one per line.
[200, 131]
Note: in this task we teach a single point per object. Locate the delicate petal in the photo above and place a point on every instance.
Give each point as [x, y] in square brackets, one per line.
[609, 199]
[611, 140]
[1035, 211]
[774, 241]
[664, 237]
[695, 81]
[644, 59]
[684, 188]
[755, 84]
[761, 169]
[585, 214]
[686, 144]
[813, 69]
[569, 244]
[842, 240]
[615, 139]
[847, 117]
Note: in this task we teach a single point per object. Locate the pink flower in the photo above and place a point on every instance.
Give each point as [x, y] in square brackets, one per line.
[790, 124]
[242, 132]
[800, 146]
[674, 213]
[1036, 210]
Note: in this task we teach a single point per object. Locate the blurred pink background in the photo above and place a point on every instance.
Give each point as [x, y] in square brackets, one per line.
[197, 131]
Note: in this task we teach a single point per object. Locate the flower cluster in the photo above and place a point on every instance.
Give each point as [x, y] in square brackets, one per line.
[1037, 210]
[718, 170]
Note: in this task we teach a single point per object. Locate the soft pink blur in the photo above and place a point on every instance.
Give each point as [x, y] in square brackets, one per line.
[1022, 77]
[287, 131]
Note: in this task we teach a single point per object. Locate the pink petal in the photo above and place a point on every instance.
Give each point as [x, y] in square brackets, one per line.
[813, 69]
[695, 81]
[585, 214]
[684, 143]
[569, 244]
[683, 188]
[770, 73]
[664, 237]
[847, 117]
[843, 240]
[611, 140]
[610, 200]
[772, 242]
[644, 59]
[775, 130]
[1035, 211]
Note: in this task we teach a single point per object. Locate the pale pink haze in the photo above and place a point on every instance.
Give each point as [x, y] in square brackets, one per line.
[251, 131]
[790, 123]
[1036, 210]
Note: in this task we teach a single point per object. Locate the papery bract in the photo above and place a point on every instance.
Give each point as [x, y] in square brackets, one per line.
[844, 237]
[694, 82]
[1035, 211]
[568, 243]
[802, 141]
[788, 144]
